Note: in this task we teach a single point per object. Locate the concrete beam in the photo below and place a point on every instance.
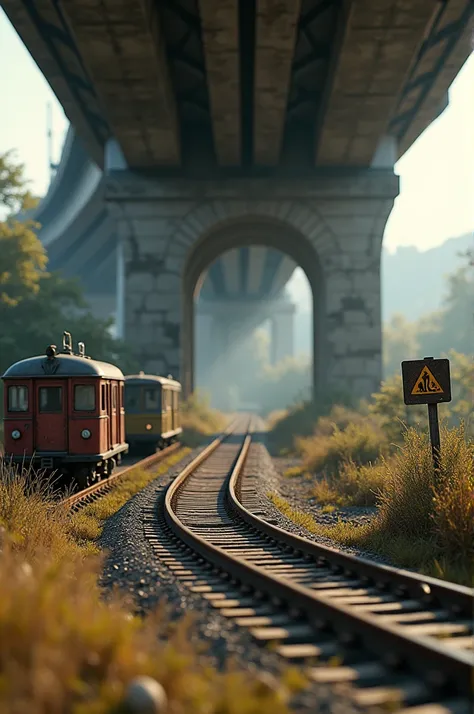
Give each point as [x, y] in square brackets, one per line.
[53, 57]
[220, 35]
[450, 60]
[122, 46]
[378, 45]
[276, 28]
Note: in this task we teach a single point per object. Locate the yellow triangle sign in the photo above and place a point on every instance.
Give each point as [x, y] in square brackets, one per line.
[427, 383]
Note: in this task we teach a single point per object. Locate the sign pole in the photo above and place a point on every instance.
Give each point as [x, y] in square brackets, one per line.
[433, 423]
[434, 434]
[428, 381]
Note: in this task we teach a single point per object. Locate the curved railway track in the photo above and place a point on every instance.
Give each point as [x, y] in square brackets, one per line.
[385, 636]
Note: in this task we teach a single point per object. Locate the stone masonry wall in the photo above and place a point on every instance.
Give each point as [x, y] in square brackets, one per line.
[343, 218]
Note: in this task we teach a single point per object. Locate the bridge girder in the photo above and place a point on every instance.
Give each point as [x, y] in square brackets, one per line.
[123, 47]
[378, 44]
[203, 85]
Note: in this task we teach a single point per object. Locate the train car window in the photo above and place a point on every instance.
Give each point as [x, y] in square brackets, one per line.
[132, 398]
[84, 397]
[17, 399]
[50, 399]
[102, 397]
[114, 397]
[152, 398]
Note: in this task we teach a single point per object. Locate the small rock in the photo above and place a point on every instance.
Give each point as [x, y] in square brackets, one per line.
[145, 695]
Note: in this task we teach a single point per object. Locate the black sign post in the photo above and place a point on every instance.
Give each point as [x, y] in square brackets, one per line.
[428, 381]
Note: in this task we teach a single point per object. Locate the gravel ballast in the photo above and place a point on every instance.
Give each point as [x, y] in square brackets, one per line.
[269, 472]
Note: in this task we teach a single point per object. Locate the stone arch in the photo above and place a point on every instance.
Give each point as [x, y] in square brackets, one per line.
[245, 230]
[299, 215]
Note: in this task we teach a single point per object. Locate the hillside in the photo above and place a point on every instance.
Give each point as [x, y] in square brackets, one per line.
[414, 282]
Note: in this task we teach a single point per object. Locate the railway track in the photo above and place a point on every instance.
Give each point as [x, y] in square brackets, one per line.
[384, 637]
[82, 498]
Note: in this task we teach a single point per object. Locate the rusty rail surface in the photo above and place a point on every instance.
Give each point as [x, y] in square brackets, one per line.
[354, 599]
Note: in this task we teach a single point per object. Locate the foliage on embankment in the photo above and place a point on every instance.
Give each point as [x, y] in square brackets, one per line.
[425, 518]
[385, 413]
[63, 648]
[379, 455]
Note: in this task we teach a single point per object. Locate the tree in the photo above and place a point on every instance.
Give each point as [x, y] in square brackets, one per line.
[453, 326]
[14, 191]
[35, 305]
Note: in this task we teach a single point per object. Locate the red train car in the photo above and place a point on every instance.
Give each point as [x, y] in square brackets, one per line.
[65, 411]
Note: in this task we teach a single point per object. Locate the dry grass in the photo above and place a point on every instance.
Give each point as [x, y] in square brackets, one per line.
[425, 519]
[199, 420]
[434, 506]
[30, 515]
[298, 421]
[86, 524]
[353, 485]
[276, 416]
[293, 472]
[360, 442]
[65, 650]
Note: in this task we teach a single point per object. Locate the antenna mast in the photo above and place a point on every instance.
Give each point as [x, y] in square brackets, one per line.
[49, 132]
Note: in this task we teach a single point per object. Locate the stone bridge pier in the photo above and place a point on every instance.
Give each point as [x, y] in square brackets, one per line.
[171, 230]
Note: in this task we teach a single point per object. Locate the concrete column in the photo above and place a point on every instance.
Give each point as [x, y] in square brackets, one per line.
[282, 335]
[151, 289]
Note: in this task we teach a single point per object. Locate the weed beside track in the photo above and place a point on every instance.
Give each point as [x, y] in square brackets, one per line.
[63, 648]
[425, 519]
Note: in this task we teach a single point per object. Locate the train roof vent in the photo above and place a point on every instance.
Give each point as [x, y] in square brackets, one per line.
[67, 343]
[170, 376]
[141, 373]
[82, 349]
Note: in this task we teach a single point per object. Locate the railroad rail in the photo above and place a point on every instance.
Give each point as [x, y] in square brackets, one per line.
[87, 495]
[400, 639]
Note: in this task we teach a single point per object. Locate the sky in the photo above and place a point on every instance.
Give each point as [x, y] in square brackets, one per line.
[436, 198]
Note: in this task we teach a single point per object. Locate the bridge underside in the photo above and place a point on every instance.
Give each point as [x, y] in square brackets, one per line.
[192, 86]
[81, 238]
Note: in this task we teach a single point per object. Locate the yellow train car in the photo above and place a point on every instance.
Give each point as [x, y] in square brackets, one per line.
[152, 411]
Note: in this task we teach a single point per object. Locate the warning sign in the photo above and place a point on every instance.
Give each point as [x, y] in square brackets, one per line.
[426, 381]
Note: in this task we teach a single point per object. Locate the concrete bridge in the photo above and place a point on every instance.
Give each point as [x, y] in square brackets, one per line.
[221, 124]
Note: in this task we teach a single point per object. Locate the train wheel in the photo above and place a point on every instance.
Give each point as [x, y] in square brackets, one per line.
[83, 476]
